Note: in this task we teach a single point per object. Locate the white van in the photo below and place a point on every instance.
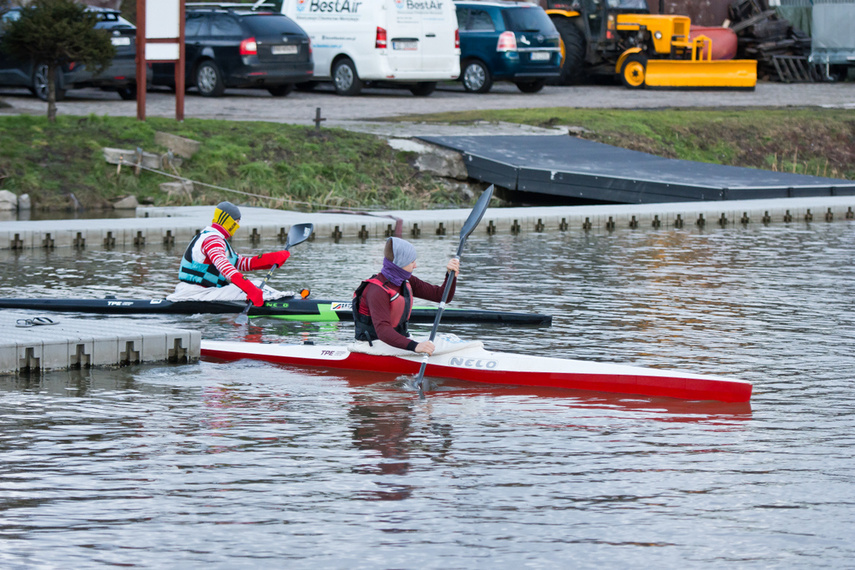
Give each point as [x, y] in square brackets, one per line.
[413, 42]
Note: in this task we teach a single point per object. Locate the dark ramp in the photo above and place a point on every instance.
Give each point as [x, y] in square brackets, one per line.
[576, 170]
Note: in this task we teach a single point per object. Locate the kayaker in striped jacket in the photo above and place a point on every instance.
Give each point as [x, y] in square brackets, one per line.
[382, 303]
[211, 270]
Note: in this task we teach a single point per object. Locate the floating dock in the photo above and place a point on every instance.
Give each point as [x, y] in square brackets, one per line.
[175, 226]
[573, 170]
[29, 343]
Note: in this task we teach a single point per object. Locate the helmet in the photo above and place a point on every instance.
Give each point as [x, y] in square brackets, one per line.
[227, 215]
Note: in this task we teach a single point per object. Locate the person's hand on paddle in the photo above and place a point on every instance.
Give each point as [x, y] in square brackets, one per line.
[426, 346]
[454, 265]
[253, 293]
[268, 260]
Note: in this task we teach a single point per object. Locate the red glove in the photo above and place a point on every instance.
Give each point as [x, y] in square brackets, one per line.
[268, 260]
[253, 293]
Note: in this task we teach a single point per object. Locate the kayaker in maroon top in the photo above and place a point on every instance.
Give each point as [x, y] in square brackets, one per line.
[382, 303]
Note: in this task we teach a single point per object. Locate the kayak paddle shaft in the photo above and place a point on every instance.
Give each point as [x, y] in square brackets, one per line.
[296, 235]
[468, 226]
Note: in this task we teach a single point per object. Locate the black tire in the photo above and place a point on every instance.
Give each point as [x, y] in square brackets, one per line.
[40, 84]
[423, 89]
[306, 86]
[531, 86]
[573, 44]
[209, 80]
[476, 77]
[281, 90]
[633, 72]
[345, 78]
[128, 92]
[837, 73]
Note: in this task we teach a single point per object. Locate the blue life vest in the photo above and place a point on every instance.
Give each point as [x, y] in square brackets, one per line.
[204, 274]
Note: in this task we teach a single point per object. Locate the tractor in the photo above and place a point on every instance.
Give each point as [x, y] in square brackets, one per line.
[621, 38]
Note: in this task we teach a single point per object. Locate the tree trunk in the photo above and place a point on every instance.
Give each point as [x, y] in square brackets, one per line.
[51, 99]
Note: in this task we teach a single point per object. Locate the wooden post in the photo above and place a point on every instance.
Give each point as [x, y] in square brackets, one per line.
[140, 60]
[180, 67]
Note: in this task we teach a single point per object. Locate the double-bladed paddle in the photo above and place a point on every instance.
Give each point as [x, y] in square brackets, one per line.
[297, 234]
[471, 222]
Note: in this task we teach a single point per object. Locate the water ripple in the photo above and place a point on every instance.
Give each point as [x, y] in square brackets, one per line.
[247, 464]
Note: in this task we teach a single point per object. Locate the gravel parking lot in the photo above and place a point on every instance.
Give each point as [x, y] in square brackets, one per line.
[300, 108]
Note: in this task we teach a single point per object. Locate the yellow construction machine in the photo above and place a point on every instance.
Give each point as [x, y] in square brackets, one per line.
[622, 38]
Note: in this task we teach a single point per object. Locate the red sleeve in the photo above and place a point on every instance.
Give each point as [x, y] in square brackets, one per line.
[424, 290]
[214, 248]
[379, 307]
[244, 262]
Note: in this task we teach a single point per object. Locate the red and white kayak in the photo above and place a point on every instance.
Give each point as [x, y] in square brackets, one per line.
[471, 362]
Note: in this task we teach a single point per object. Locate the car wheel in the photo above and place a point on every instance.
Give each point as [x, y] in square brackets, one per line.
[128, 92]
[531, 86]
[423, 89]
[476, 77]
[40, 84]
[306, 86]
[209, 81]
[633, 72]
[345, 78]
[281, 90]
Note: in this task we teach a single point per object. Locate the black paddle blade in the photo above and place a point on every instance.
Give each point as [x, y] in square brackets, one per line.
[298, 234]
[477, 213]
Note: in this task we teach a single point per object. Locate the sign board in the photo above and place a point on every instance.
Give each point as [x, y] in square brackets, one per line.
[162, 19]
[160, 39]
[161, 52]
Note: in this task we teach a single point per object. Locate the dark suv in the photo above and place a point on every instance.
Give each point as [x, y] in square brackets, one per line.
[514, 41]
[230, 47]
[120, 76]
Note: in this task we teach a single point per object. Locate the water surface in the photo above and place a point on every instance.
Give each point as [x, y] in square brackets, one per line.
[247, 465]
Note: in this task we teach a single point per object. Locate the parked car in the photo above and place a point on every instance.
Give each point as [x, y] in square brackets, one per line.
[503, 40]
[119, 76]
[240, 48]
[403, 42]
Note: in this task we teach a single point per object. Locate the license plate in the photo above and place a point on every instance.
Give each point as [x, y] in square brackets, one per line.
[284, 50]
[406, 46]
[121, 41]
[540, 56]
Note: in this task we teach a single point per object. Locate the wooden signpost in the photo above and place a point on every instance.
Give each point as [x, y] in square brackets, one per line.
[160, 39]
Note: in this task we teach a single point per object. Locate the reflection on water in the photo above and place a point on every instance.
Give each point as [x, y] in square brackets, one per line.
[240, 464]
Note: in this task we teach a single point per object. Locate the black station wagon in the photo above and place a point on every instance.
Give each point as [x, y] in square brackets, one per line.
[238, 48]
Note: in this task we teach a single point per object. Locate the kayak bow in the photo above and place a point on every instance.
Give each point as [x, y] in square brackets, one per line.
[475, 364]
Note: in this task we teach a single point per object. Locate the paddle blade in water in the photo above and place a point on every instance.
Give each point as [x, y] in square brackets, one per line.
[412, 383]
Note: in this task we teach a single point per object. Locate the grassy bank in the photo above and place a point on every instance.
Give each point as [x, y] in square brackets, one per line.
[815, 141]
[300, 168]
[297, 166]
